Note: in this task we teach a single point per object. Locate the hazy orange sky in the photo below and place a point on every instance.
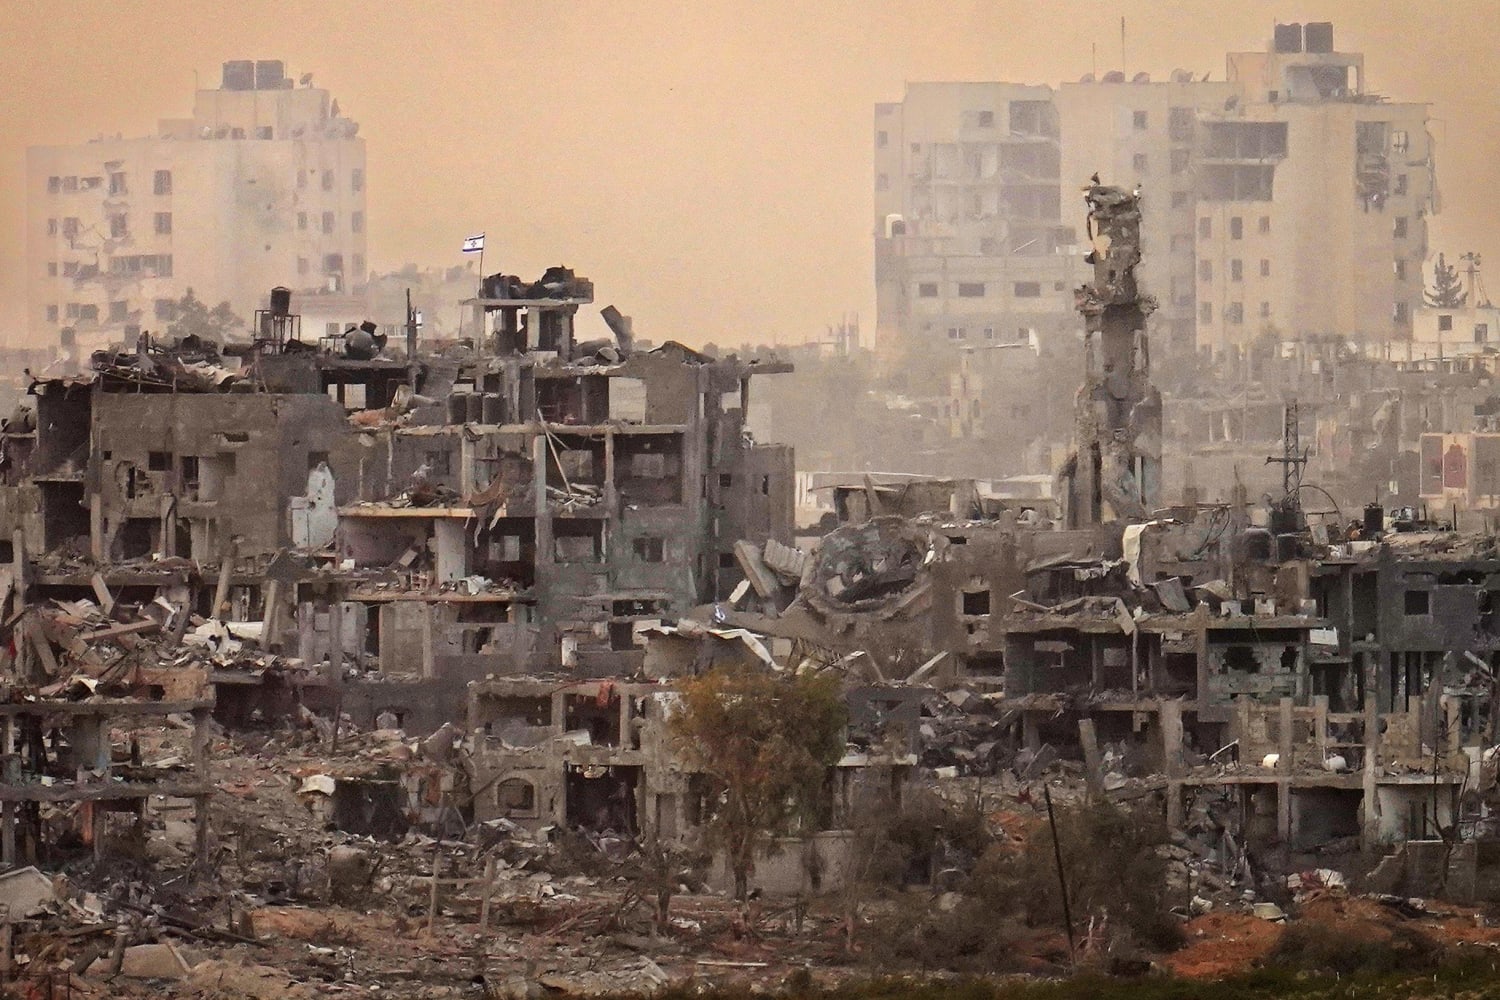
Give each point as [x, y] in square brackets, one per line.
[706, 163]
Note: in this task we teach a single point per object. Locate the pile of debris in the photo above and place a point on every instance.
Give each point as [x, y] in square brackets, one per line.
[556, 282]
[69, 647]
[191, 364]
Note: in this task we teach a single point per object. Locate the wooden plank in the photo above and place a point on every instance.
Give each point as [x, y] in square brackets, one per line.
[42, 646]
[115, 631]
[101, 591]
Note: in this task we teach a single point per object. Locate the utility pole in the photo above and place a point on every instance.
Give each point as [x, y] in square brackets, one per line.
[411, 343]
[1062, 879]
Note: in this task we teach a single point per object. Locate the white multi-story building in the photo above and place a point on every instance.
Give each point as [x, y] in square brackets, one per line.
[1140, 133]
[1286, 200]
[264, 185]
[1313, 198]
[969, 244]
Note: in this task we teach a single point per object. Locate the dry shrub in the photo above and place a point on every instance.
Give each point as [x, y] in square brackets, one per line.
[1317, 947]
[972, 937]
[1115, 876]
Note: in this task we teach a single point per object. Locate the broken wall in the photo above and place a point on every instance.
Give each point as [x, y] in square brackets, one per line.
[183, 473]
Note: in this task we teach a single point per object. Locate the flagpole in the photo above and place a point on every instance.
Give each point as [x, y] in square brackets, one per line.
[481, 267]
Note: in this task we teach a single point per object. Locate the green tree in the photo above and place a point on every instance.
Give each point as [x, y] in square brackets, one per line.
[1446, 291]
[195, 318]
[766, 741]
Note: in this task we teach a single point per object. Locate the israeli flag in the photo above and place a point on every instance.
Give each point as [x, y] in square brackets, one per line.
[474, 244]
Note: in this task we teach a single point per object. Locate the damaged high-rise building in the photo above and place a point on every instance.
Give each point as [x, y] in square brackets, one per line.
[119, 229]
[1115, 472]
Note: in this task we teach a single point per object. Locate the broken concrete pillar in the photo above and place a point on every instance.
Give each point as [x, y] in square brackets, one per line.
[1115, 473]
[1031, 736]
[1370, 805]
[1284, 812]
[1284, 742]
[1093, 764]
[221, 592]
[1171, 746]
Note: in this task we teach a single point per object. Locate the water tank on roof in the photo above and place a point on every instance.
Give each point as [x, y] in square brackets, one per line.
[281, 301]
[1258, 544]
[1319, 36]
[1288, 38]
[269, 74]
[1284, 519]
[239, 74]
[1287, 547]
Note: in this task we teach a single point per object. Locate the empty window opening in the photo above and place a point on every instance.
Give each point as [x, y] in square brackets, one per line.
[506, 548]
[516, 797]
[599, 716]
[138, 537]
[1240, 659]
[578, 541]
[649, 468]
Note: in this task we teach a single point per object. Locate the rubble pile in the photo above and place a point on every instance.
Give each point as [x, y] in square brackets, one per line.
[289, 905]
[190, 364]
[80, 651]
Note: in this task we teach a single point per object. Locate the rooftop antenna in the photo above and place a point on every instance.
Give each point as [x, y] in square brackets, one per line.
[1293, 456]
[1122, 46]
[1477, 294]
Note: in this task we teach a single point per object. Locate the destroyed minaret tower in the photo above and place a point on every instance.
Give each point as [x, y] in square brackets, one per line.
[1114, 473]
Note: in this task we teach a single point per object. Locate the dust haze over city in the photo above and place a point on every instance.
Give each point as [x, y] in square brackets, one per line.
[507, 500]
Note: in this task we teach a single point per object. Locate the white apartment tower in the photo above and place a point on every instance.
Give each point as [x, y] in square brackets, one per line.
[1141, 133]
[1313, 198]
[264, 185]
[1286, 201]
[969, 246]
